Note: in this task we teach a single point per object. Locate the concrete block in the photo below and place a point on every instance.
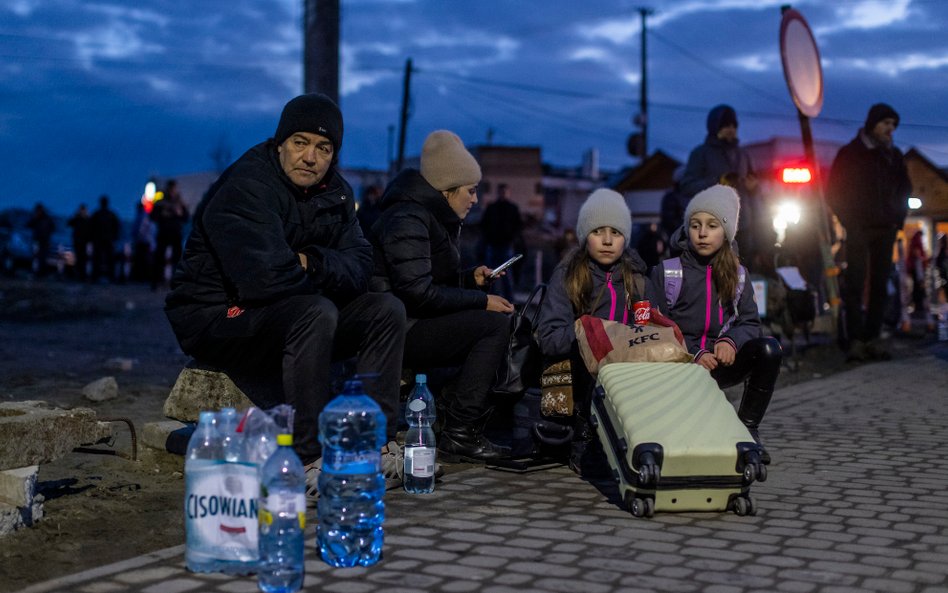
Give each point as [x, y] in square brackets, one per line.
[202, 389]
[33, 432]
[17, 486]
[14, 517]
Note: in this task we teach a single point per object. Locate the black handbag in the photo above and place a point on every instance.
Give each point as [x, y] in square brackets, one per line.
[523, 363]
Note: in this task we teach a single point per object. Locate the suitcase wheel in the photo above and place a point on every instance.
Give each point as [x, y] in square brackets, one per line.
[744, 506]
[639, 507]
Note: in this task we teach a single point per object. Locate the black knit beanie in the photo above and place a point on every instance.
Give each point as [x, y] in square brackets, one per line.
[877, 113]
[719, 117]
[315, 113]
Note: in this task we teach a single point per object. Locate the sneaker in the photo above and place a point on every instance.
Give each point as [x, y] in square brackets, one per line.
[393, 465]
[312, 481]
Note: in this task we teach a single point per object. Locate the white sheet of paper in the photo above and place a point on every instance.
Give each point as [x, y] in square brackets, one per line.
[792, 278]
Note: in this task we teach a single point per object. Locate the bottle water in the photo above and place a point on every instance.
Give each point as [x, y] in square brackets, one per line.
[351, 485]
[420, 446]
[282, 520]
[231, 443]
[220, 504]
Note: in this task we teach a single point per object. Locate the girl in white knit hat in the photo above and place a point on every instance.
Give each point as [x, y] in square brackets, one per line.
[600, 277]
[710, 296]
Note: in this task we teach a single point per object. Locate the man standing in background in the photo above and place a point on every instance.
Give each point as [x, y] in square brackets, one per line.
[502, 227]
[868, 191]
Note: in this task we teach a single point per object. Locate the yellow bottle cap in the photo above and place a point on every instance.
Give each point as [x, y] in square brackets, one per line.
[284, 440]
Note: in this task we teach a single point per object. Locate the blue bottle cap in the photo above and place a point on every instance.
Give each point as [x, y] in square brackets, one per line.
[421, 378]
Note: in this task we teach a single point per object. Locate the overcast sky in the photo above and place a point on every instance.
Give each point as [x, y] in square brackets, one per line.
[97, 95]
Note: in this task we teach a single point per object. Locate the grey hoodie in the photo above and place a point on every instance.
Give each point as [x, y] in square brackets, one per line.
[698, 311]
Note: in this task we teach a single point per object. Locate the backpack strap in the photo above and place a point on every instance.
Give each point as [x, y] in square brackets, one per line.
[673, 278]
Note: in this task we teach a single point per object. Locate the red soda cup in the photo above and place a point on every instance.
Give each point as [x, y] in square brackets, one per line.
[642, 312]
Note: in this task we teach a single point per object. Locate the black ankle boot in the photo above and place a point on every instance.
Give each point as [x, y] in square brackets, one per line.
[753, 407]
[465, 441]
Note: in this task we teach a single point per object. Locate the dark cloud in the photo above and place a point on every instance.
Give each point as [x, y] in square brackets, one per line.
[97, 96]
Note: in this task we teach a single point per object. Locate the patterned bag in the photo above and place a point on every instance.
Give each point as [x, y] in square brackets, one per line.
[556, 388]
[602, 342]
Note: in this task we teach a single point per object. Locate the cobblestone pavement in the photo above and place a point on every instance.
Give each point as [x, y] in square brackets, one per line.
[856, 500]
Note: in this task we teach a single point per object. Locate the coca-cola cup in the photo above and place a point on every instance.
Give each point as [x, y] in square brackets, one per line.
[642, 311]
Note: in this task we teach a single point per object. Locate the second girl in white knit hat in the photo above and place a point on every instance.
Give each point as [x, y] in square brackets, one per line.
[710, 296]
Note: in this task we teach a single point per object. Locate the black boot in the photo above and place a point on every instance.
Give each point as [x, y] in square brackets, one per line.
[465, 441]
[753, 407]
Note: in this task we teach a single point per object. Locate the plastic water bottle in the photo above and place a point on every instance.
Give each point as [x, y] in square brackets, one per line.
[231, 443]
[351, 485]
[202, 458]
[220, 505]
[420, 447]
[282, 520]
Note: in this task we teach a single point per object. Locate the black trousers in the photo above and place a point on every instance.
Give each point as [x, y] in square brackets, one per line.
[757, 362]
[298, 337]
[868, 258]
[474, 340]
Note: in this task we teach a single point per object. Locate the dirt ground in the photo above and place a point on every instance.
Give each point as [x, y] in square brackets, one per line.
[55, 337]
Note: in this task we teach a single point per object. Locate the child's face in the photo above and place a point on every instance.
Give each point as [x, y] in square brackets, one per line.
[706, 234]
[605, 245]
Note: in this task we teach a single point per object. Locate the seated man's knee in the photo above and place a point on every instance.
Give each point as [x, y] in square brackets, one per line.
[317, 312]
[390, 308]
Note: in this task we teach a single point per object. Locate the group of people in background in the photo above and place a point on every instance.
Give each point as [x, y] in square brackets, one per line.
[155, 245]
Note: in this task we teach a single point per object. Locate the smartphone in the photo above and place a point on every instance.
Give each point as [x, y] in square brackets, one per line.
[496, 271]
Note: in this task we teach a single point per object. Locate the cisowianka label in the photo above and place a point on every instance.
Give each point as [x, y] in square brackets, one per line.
[420, 461]
[220, 509]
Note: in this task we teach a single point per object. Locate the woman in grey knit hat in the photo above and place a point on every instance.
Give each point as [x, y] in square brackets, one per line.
[453, 321]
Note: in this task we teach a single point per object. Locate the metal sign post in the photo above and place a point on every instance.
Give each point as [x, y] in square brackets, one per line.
[804, 75]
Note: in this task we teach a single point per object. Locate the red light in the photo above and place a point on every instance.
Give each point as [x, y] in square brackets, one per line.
[796, 175]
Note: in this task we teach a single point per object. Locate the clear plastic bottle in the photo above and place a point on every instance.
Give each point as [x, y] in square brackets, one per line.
[203, 457]
[351, 508]
[420, 447]
[231, 442]
[220, 503]
[282, 520]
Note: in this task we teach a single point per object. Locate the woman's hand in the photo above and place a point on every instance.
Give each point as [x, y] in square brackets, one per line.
[482, 276]
[498, 303]
[302, 257]
[725, 353]
[707, 360]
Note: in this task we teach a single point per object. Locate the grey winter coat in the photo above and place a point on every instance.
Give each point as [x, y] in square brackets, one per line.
[698, 310]
[555, 331]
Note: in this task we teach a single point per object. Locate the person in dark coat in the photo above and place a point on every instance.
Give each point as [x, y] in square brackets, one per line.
[720, 159]
[369, 210]
[501, 227]
[42, 225]
[868, 191]
[81, 224]
[453, 321]
[170, 214]
[105, 232]
[275, 275]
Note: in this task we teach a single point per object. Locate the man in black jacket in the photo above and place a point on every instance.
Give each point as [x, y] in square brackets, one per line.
[868, 190]
[275, 275]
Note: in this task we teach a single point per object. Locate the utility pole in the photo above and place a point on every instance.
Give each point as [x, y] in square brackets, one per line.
[643, 88]
[321, 47]
[406, 97]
